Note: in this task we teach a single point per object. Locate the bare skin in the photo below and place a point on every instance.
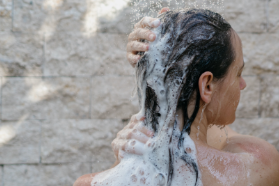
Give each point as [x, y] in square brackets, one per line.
[238, 160]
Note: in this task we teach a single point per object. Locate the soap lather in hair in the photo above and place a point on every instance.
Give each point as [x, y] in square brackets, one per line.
[190, 78]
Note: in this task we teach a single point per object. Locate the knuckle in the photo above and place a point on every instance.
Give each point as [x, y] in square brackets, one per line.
[118, 134]
[131, 36]
[142, 21]
[130, 134]
[138, 32]
[142, 32]
[143, 47]
[133, 118]
[135, 130]
[124, 146]
[148, 33]
[133, 45]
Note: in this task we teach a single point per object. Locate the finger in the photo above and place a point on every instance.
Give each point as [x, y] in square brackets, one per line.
[141, 33]
[124, 134]
[135, 46]
[133, 59]
[137, 135]
[134, 147]
[118, 145]
[121, 155]
[145, 131]
[147, 21]
[165, 9]
[134, 119]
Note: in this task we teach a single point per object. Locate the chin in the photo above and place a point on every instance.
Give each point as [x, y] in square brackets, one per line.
[230, 121]
[226, 121]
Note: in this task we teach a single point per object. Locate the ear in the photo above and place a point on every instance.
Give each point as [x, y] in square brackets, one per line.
[206, 86]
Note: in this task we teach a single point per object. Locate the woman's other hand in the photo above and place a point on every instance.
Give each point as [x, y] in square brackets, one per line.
[131, 139]
[141, 32]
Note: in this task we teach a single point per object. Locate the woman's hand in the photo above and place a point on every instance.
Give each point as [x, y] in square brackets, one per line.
[131, 139]
[141, 32]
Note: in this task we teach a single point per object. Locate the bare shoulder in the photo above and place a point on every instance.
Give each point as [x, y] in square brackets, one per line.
[84, 180]
[264, 158]
[259, 148]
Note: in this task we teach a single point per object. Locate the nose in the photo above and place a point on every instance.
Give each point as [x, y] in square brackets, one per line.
[242, 84]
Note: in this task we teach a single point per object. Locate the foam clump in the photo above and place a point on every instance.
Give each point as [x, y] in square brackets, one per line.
[166, 162]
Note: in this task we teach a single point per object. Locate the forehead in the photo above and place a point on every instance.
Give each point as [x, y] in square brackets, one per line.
[237, 45]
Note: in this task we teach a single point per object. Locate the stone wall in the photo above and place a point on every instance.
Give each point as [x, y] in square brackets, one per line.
[66, 87]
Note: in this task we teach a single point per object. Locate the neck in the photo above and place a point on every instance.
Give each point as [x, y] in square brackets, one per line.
[199, 126]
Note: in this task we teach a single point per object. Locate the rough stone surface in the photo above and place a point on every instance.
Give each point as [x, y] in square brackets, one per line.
[48, 98]
[20, 54]
[254, 15]
[20, 142]
[270, 96]
[1, 84]
[273, 16]
[15, 175]
[47, 175]
[78, 140]
[1, 175]
[119, 18]
[64, 63]
[38, 16]
[5, 15]
[265, 128]
[63, 174]
[112, 97]
[70, 54]
[248, 106]
[102, 165]
[260, 53]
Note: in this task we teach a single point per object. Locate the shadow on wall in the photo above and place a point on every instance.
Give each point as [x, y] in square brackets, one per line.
[66, 85]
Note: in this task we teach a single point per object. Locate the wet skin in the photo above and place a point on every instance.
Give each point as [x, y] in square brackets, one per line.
[240, 160]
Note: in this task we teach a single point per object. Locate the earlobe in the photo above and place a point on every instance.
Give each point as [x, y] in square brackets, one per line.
[206, 86]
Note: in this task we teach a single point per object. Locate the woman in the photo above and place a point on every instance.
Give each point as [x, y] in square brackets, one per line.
[207, 55]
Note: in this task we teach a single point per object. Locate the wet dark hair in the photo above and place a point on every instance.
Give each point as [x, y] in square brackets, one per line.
[206, 40]
[197, 41]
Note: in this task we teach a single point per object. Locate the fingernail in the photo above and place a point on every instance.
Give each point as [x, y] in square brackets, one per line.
[155, 23]
[152, 37]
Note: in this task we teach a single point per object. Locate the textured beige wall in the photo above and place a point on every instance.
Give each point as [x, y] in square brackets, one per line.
[66, 86]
